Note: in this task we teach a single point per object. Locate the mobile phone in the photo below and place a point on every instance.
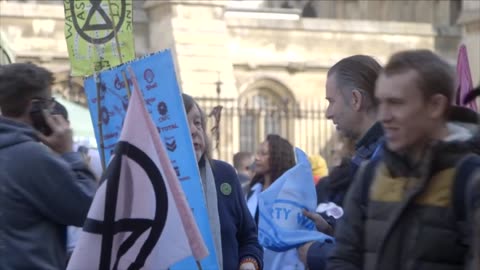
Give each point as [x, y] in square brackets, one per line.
[38, 118]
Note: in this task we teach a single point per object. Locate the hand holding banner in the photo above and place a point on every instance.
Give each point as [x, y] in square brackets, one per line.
[282, 225]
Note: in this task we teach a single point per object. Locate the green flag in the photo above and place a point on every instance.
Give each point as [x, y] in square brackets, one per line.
[90, 29]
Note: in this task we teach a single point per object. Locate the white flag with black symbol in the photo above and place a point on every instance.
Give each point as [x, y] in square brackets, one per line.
[139, 218]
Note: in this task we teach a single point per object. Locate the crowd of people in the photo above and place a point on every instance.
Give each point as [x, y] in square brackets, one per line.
[402, 194]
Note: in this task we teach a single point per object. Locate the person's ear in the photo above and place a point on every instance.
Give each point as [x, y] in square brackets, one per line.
[356, 100]
[437, 105]
[28, 109]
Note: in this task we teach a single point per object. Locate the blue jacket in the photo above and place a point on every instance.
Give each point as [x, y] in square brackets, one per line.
[239, 232]
[335, 187]
[40, 193]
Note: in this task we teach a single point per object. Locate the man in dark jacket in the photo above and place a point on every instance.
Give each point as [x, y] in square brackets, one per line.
[43, 187]
[350, 92]
[408, 209]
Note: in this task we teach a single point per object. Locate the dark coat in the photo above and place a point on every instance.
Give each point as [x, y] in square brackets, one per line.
[406, 219]
[334, 189]
[239, 232]
[40, 193]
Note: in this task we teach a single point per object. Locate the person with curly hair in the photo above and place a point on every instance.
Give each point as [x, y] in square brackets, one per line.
[274, 157]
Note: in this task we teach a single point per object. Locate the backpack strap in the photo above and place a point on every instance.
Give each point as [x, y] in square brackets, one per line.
[464, 172]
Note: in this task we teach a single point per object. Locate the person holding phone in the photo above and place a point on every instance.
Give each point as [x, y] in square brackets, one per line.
[44, 184]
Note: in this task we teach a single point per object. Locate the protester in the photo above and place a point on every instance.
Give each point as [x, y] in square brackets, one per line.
[274, 157]
[407, 209]
[44, 187]
[339, 176]
[473, 195]
[93, 165]
[242, 161]
[319, 167]
[352, 108]
[338, 179]
[344, 149]
[234, 231]
[72, 231]
[91, 156]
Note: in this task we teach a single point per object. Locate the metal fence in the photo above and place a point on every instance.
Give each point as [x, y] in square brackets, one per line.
[244, 124]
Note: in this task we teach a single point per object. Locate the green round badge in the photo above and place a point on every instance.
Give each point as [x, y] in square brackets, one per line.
[226, 189]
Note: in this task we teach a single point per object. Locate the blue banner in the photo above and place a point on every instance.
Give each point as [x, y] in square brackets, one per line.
[157, 81]
[282, 225]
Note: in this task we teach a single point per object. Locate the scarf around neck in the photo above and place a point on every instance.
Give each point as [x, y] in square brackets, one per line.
[210, 195]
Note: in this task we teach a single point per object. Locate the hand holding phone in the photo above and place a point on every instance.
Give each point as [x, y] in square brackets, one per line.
[60, 138]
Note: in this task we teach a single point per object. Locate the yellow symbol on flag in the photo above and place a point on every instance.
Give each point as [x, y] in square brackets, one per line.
[90, 28]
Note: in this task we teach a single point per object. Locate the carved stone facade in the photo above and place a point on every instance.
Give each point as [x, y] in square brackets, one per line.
[259, 49]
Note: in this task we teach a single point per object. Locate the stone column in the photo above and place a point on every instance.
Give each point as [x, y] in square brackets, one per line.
[197, 34]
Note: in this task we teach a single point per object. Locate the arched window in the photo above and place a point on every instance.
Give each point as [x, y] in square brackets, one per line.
[265, 106]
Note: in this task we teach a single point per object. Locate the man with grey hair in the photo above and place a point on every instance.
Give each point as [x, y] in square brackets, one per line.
[413, 207]
[352, 108]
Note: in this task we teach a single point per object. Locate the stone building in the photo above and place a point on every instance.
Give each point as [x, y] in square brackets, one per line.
[264, 61]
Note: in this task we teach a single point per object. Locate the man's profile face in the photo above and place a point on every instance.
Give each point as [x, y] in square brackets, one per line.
[339, 110]
[403, 111]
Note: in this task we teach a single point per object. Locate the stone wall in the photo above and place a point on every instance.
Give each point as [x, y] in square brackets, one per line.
[436, 12]
[197, 33]
[248, 51]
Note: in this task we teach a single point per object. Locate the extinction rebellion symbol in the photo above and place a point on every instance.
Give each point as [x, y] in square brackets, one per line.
[137, 227]
[94, 23]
